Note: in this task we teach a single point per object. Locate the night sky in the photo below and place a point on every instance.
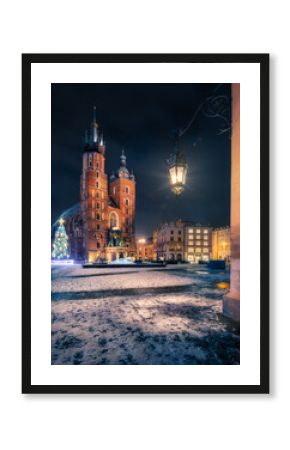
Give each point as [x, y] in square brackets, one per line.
[141, 118]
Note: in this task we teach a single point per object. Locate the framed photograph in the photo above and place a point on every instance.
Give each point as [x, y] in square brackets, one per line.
[145, 252]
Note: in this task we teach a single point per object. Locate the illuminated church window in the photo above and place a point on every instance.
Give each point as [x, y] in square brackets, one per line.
[113, 220]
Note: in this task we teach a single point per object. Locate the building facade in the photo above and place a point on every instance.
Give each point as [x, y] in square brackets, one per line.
[183, 241]
[102, 226]
[169, 241]
[221, 243]
[197, 243]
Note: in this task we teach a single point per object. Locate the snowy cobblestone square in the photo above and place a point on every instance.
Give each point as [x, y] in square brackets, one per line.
[168, 315]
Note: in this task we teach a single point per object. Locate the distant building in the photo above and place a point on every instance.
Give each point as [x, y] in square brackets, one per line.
[197, 243]
[145, 249]
[221, 243]
[182, 241]
[169, 241]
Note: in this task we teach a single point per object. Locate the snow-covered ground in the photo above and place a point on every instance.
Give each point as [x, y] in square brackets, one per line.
[141, 316]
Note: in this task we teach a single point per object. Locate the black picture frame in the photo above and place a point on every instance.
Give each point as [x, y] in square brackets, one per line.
[27, 61]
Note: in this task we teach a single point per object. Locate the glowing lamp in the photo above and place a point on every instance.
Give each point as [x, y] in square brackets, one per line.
[177, 172]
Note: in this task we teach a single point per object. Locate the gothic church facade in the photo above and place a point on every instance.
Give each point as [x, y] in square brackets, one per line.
[102, 227]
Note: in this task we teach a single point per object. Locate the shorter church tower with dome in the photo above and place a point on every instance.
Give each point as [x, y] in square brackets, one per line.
[102, 226]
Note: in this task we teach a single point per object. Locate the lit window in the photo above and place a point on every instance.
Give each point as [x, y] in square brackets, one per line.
[198, 230]
[113, 220]
[205, 231]
[197, 242]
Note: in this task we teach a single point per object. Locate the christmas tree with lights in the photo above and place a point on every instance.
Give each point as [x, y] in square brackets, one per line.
[60, 245]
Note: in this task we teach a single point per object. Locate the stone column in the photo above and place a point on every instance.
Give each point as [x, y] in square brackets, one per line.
[231, 302]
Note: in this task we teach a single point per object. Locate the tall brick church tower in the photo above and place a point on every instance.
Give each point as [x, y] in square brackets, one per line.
[107, 207]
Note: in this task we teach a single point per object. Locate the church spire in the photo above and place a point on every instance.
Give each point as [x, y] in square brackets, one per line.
[123, 171]
[94, 127]
[94, 138]
[123, 158]
[101, 139]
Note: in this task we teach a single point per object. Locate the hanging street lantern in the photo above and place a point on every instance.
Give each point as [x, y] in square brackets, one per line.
[177, 172]
[214, 106]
